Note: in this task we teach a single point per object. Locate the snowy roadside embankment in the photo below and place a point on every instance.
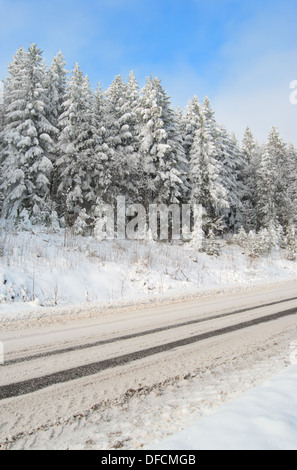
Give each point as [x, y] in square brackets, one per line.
[264, 418]
[42, 273]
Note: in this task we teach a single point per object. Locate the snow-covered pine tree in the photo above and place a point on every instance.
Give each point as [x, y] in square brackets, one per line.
[205, 169]
[76, 149]
[160, 148]
[28, 140]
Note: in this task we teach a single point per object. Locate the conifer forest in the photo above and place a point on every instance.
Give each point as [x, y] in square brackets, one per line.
[66, 149]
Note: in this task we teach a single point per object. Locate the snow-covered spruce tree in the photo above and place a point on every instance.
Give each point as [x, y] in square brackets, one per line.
[81, 226]
[190, 121]
[161, 152]
[184, 160]
[266, 189]
[231, 161]
[13, 111]
[291, 243]
[251, 158]
[56, 90]
[205, 170]
[1, 135]
[28, 140]
[290, 191]
[131, 120]
[102, 176]
[1, 113]
[258, 243]
[277, 149]
[122, 136]
[56, 87]
[76, 149]
[241, 238]
[276, 185]
[265, 241]
[188, 125]
[117, 135]
[285, 184]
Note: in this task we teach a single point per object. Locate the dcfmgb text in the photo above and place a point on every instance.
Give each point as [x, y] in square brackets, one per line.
[169, 459]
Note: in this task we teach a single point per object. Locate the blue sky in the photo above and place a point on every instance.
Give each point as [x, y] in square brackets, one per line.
[242, 54]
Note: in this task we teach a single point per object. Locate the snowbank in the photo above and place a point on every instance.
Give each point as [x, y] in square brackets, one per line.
[42, 272]
[264, 418]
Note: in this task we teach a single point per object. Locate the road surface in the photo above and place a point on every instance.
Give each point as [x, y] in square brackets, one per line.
[54, 374]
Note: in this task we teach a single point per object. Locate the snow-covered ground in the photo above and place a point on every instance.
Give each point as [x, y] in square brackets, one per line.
[264, 418]
[46, 276]
[41, 270]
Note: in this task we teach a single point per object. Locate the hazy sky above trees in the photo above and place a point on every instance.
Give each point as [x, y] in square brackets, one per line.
[242, 54]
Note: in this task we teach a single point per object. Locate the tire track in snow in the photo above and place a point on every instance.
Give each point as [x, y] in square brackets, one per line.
[33, 385]
[139, 334]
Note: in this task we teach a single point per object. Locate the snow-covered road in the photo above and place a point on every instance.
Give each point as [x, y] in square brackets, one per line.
[105, 382]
